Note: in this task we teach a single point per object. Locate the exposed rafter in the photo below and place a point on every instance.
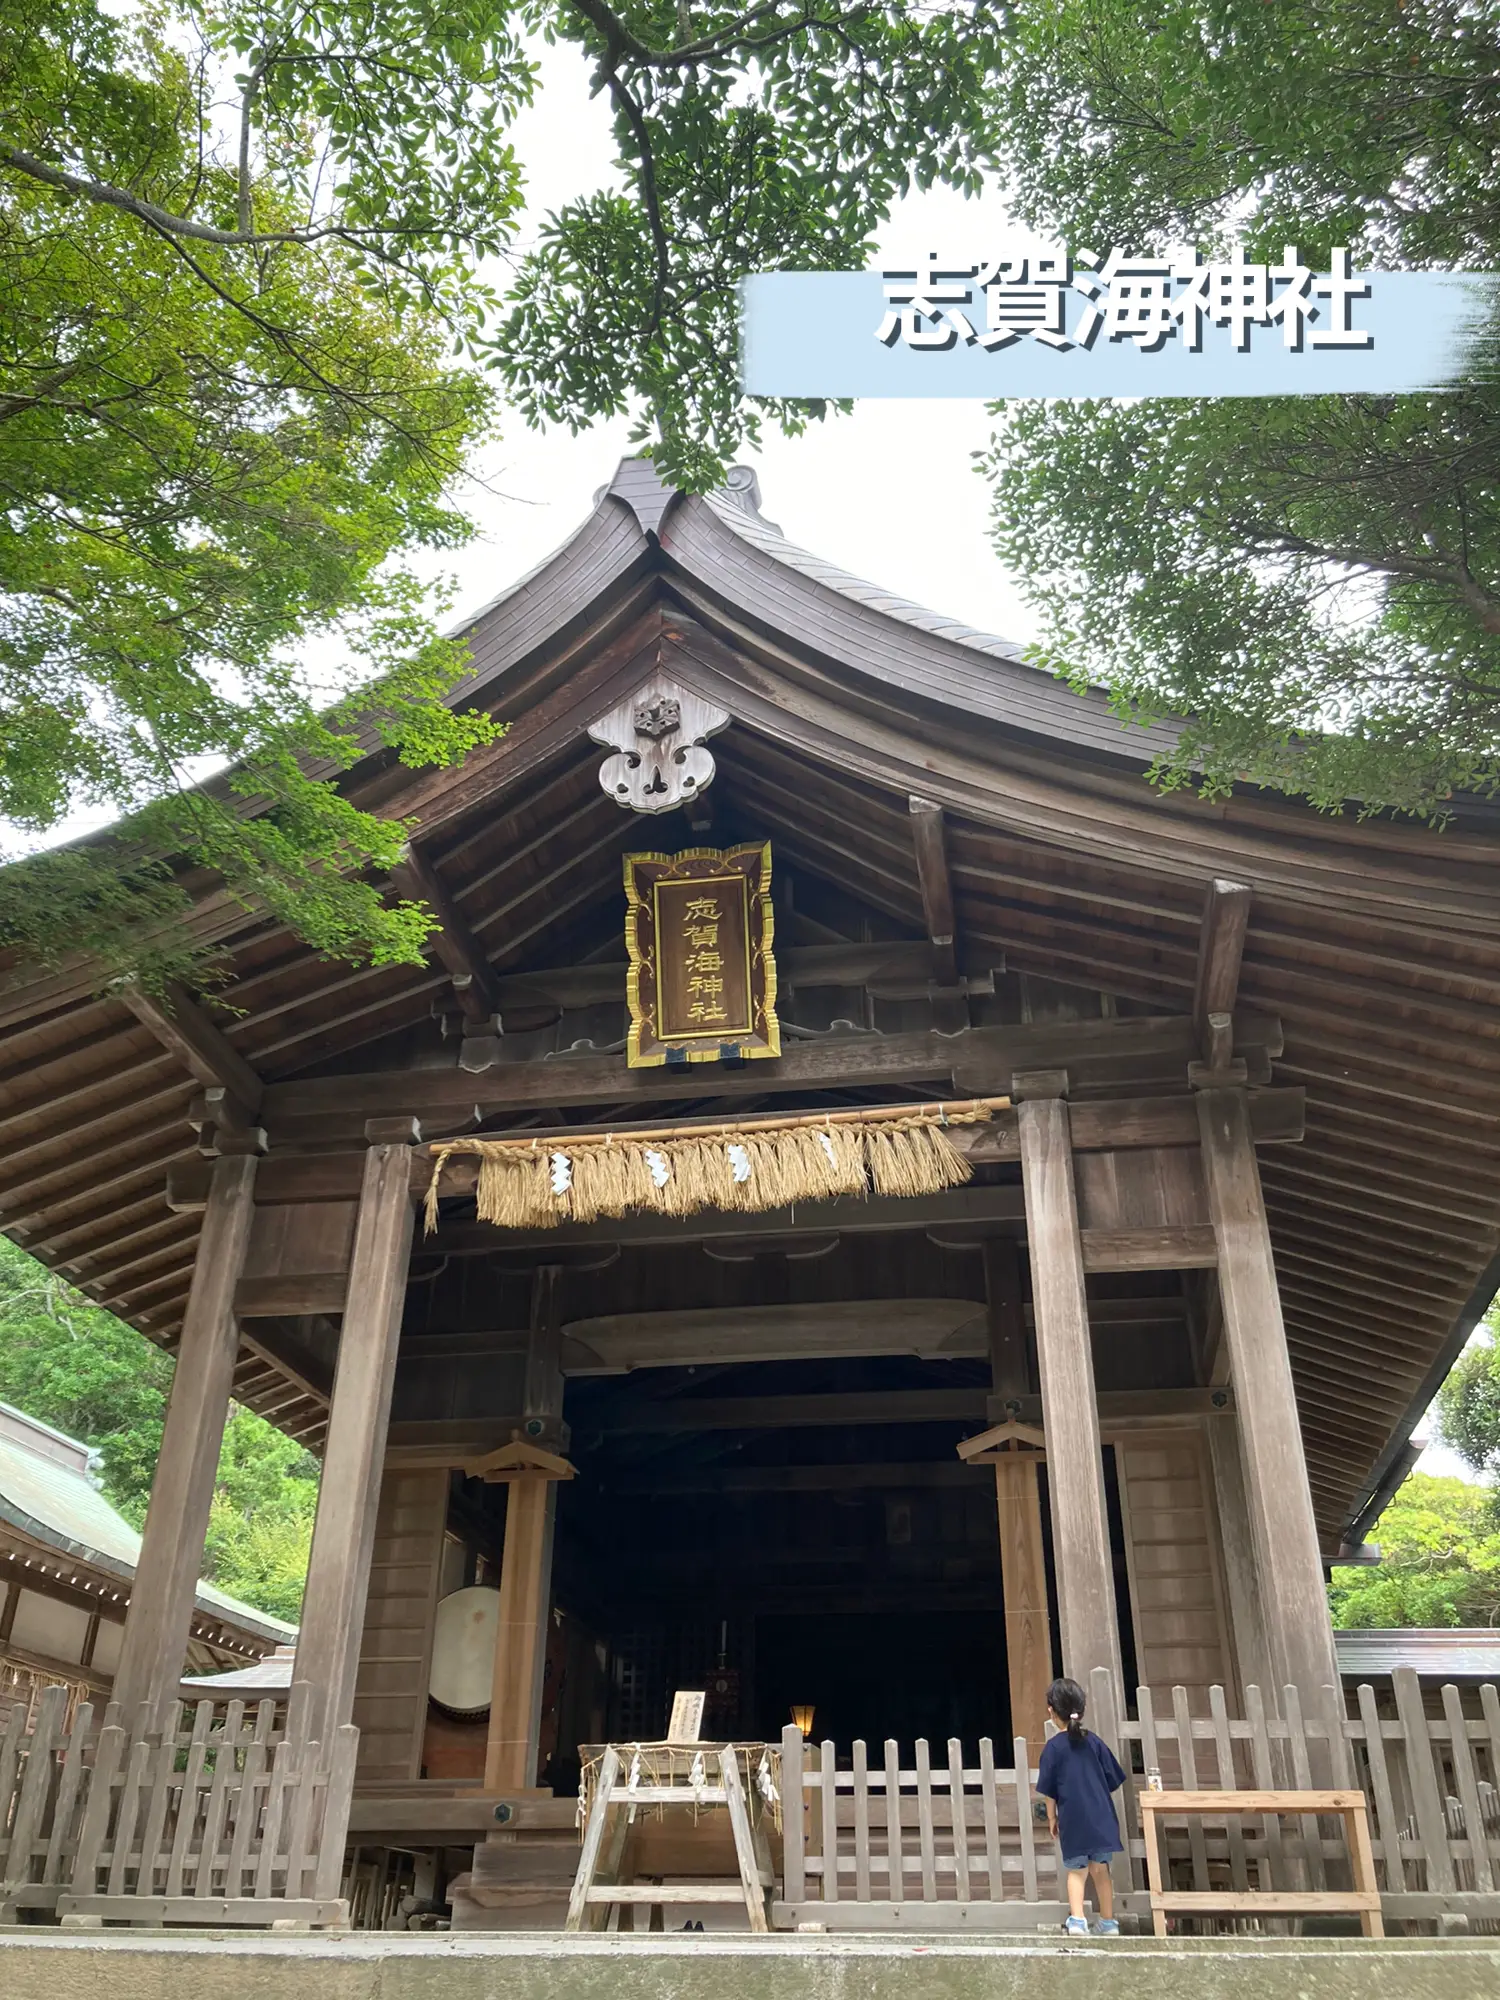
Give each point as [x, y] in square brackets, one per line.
[1221, 948]
[453, 945]
[180, 1024]
[950, 1006]
[929, 839]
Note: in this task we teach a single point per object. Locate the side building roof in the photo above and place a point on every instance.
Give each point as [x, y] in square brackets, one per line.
[48, 1496]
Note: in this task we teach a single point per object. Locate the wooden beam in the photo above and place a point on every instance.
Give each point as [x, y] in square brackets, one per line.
[453, 944]
[542, 1399]
[1023, 1582]
[1075, 1464]
[1130, 1409]
[1237, 1548]
[894, 968]
[166, 1577]
[180, 1024]
[458, 1442]
[327, 1105]
[1182, 1248]
[1100, 1125]
[1010, 1366]
[615, 1343]
[1221, 947]
[338, 1569]
[887, 1477]
[286, 1296]
[294, 1179]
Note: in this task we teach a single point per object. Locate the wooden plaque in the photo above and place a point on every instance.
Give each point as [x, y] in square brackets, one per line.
[686, 1724]
[702, 980]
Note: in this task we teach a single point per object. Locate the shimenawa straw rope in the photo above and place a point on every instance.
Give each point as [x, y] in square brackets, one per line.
[757, 1164]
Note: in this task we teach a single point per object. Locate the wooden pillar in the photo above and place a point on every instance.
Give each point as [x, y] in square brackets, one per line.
[1018, 1505]
[521, 1641]
[1288, 1561]
[338, 1570]
[157, 1623]
[526, 1562]
[543, 1395]
[1070, 1419]
[1246, 1613]
[1010, 1371]
[1023, 1576]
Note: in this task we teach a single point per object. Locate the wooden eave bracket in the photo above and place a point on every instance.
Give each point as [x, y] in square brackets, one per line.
[519, 1460]
[1221, 951]
[456, 948]
[929, 839]
[1003, 1441]
[233, 1090]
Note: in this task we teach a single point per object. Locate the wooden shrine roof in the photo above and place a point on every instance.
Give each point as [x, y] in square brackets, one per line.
[1375, 944]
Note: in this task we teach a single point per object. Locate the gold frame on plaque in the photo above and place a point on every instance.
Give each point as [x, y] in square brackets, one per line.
[759, 1034]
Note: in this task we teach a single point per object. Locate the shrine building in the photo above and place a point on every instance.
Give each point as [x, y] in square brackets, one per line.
[866, 1205]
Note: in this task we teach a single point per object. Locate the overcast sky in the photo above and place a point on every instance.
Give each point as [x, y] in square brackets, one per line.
[888, 492]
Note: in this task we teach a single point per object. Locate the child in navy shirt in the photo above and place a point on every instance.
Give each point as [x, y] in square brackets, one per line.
[1076, 1776]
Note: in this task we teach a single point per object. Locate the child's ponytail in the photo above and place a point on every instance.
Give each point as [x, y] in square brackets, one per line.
[1066, 1699]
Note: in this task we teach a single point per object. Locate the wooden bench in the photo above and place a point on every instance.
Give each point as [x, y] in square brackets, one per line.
[1363, 1900]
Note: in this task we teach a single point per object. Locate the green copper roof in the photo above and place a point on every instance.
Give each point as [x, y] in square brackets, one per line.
[46, 1492]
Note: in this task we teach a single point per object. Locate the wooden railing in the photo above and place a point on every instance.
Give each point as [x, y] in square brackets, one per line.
[220, 1815]
[948, 1839]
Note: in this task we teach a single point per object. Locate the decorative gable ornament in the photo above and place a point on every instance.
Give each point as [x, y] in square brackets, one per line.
[658, 734]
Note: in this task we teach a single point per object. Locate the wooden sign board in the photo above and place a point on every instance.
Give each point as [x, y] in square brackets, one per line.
[702, 978]
[686, 1725]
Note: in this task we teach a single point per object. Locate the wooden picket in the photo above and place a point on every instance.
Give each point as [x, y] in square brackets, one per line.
[216, 1817]
[885, 1840]
[235, 1814]
[39, 1793]
[945, 1842]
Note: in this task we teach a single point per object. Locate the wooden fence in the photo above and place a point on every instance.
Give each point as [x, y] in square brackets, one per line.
[228, 1814]
[948, 1840]
[218, 1815]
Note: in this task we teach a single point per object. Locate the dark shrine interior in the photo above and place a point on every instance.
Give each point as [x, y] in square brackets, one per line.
[853, 1568]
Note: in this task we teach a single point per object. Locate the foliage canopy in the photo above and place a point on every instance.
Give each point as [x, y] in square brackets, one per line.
[226, 416]
[1440, 1560]
[77, 1367]
[1469, 1404]
[251, 332]
[1272, 568]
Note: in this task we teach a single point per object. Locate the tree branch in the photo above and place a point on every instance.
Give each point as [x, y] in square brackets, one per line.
[1440, 568]
[636, 118]
[11, 406]
[243, 208]
[158, 218]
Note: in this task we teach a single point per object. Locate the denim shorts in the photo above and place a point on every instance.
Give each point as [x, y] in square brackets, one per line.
[1075, 1863]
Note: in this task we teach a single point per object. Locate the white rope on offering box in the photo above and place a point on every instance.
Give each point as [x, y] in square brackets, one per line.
[748, 1166]
[686, 1768]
